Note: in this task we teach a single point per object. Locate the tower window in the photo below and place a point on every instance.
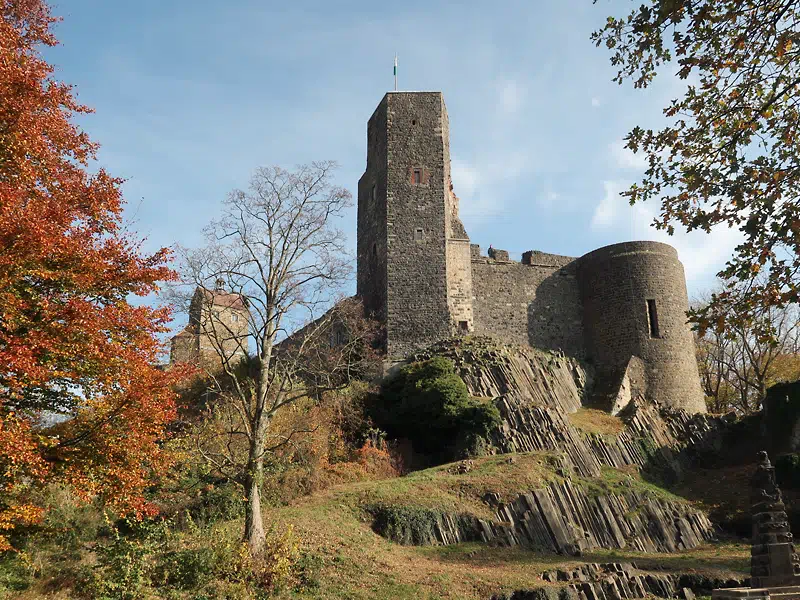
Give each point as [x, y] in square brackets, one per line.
[652, 318]
[235, 318]
[419, 234]
[463, 325]
[416, 176]
[374, 192]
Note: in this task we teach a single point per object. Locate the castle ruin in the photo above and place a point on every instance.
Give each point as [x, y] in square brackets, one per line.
[621, 307]
[216, 332]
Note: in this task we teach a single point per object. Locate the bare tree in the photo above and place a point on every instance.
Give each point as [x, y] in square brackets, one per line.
[737, 364]
[277, 248]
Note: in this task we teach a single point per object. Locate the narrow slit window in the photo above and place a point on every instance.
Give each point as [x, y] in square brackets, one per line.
[419, 234]
[416, 177]
[374, 193]
[652, 318]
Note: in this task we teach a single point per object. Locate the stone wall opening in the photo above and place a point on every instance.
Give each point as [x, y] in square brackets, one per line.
[652, 318]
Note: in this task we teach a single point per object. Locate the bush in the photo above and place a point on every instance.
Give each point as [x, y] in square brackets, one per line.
[185, 569]
[428, 403]
[222, 502]
[787, 470]
[416, 526]
[275, 569]
[125, 565]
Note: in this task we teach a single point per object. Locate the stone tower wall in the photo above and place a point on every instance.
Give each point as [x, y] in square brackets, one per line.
[371, 279]
[218, 324]
[184, 347]
[460, 286]
[621, 286]
[535, 302]
[411, 203]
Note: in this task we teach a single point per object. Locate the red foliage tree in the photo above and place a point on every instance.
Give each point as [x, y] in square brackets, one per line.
[70, 342]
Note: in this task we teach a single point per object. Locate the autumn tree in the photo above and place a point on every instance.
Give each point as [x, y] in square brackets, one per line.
[278, 249]
[729, 154]
[737, 365]
[70, 343]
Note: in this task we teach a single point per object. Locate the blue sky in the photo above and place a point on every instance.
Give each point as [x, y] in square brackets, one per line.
[192, 96]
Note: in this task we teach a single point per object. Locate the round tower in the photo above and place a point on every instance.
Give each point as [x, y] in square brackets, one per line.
[635, 302]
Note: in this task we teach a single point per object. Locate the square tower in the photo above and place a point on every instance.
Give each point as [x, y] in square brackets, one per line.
[414, 271]
[217, 330]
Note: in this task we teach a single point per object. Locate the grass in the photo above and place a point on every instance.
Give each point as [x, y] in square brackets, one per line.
[591, 420]
[349, 560]
[626, 479]
[357, 563]
[443, 488]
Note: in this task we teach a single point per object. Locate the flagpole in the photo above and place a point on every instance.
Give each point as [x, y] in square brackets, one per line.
[395, 72]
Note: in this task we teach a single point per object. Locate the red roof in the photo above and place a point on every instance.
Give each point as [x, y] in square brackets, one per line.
[226, 299]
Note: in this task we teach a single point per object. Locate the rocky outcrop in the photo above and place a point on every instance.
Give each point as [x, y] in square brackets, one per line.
[521, 375]
[535, 392]
[615, 581]
[563, 518]
[569, 519]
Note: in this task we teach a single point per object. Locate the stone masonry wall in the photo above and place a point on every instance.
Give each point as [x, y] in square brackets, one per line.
[371, 245]
[418, 155]
[459, 286]
[537, 304]
[616, 283]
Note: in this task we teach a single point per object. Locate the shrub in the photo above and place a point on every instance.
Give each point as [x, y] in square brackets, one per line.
[125, 565]
[185, 569]
[428, 403]
[221, 502]
[276, 568]
[416, 526]
[787, 470]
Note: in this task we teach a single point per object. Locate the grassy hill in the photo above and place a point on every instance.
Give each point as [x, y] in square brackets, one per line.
[325, 545]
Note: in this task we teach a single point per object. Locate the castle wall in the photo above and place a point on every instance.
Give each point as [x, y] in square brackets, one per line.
[459, 286]
[218, 324]
[371, 279]
[184, 347]
[537, 303]
[635, 301]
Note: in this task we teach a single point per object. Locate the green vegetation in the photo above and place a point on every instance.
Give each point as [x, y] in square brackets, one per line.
[787, 470]
[428, 403]
[351, 540]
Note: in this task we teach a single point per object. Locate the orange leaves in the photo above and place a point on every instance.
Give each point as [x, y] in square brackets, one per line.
[69, 340]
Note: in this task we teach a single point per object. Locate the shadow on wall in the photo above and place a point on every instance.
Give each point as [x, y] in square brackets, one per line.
[555, 315]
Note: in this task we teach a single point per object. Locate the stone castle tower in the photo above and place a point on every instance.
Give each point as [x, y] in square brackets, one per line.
[621, 307]
[216, 332]
[413, 252]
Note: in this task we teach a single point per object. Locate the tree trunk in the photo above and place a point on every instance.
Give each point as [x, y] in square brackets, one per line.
[253, 520]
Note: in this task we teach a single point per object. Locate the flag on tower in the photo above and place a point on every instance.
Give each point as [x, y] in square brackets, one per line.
[395, 72]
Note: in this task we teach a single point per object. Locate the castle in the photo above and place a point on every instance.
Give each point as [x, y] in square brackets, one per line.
[216, 332]
[621, 307]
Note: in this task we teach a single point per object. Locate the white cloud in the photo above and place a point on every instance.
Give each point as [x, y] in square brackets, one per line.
[702, 255]
[477, 186]
[607, 208]
[625, 159]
